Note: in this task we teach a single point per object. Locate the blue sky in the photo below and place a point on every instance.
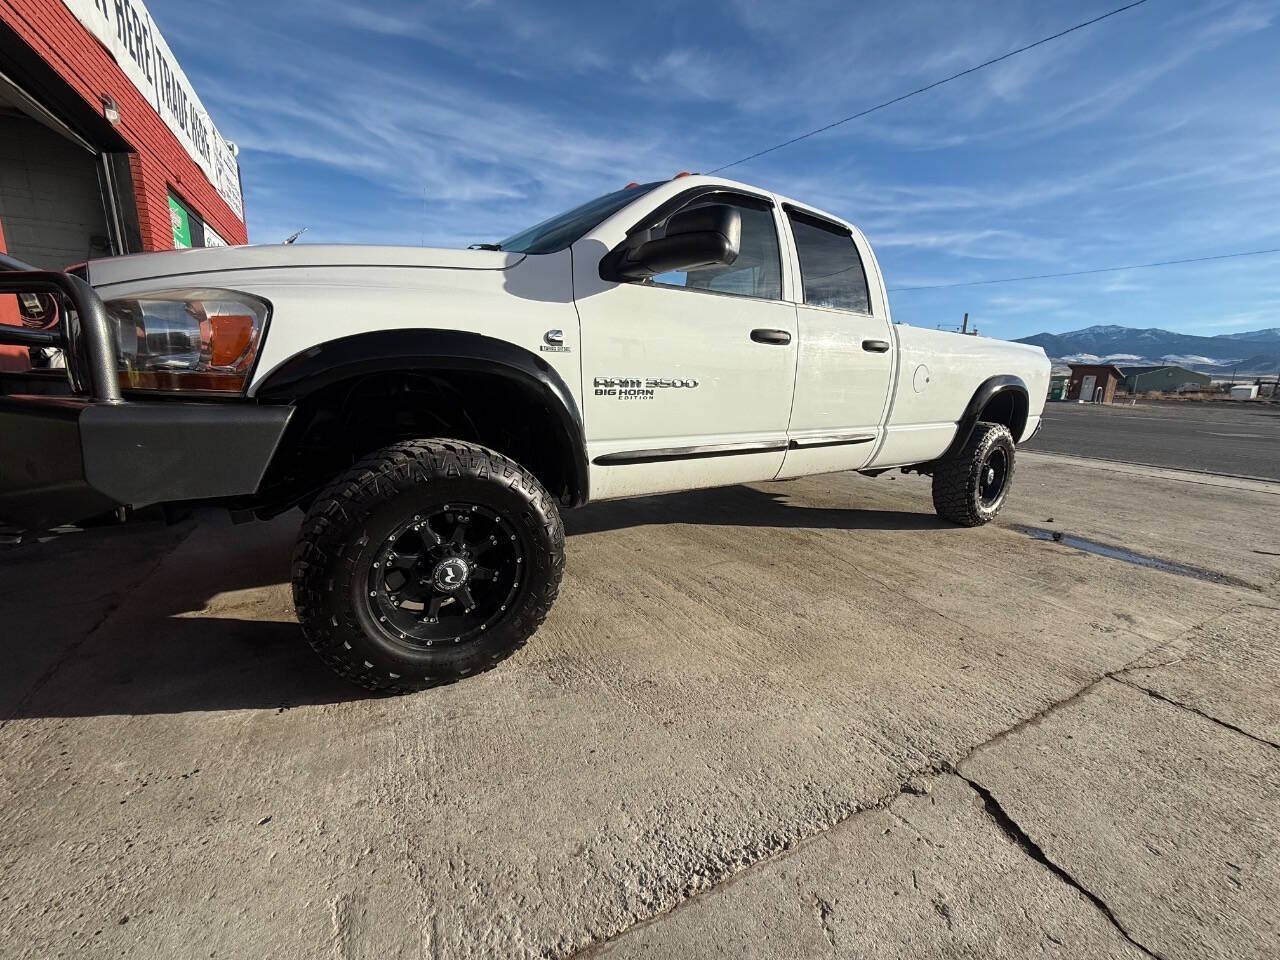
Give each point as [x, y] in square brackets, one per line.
[1150, 136]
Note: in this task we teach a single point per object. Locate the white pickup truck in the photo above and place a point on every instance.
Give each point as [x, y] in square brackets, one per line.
[432, 409]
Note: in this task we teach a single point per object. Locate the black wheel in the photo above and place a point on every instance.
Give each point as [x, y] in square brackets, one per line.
[428, 561]
[970, 488]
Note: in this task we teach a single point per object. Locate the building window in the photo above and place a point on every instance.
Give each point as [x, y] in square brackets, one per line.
[189, 229]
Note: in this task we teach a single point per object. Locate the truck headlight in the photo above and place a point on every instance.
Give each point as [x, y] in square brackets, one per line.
[201, 340]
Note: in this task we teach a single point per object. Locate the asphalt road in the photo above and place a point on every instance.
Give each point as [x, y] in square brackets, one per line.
[1237, 439]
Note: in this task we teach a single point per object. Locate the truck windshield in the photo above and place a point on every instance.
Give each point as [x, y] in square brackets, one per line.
[551, 236]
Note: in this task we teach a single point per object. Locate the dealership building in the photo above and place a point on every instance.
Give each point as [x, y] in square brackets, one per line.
[105, 148]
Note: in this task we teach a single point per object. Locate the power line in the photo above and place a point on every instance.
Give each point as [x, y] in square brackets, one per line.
[1084, 273]
[936, 83]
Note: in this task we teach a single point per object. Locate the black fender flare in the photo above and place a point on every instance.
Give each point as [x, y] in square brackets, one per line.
[987, 391]
[414, 349]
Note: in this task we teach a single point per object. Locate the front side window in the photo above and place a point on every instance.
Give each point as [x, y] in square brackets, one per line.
[758, 270]
[830, 264]
[563, 230]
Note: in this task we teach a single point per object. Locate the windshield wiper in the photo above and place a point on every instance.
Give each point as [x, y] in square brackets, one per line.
[485, 246]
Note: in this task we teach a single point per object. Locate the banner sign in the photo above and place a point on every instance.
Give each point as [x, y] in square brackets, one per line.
[125, 28]
[181, 223]
[212, 237]
[189, 230]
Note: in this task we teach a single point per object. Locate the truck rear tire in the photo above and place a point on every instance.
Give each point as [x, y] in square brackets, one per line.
[971, 487]
[428, 561]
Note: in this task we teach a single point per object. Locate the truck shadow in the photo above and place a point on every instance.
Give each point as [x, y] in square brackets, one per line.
[156, 620]
[740, 507]
[165, 620]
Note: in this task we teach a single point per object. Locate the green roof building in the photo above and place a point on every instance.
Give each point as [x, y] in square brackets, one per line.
[1168, 379]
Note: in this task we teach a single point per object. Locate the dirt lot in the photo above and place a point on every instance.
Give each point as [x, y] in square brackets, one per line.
[793, 720]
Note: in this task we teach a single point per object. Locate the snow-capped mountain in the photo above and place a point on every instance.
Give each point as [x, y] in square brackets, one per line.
[1255, 352]
[1270, 335]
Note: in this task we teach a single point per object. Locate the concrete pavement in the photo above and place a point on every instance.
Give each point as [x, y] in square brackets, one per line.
[738, 694]
[931, 874]
[1117, 823]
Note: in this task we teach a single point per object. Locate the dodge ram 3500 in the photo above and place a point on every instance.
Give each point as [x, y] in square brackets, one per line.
[432, 410]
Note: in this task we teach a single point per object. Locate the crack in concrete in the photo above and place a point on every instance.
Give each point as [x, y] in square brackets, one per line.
[1052, 708]
[1023, 841]
[1132, 665]
[910, 785]
[786, 850]
[1196, 710]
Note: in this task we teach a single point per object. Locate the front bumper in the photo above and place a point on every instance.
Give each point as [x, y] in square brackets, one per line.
[64, 459]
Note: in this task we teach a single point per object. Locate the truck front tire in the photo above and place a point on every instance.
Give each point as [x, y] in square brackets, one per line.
[971, 487]
[428, 561]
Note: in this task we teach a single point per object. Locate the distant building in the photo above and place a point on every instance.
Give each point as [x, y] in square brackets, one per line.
[1162, 379]
[1058, 386]
[1093, 382]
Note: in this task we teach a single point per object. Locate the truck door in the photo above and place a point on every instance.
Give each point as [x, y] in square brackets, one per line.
[847, 353]
[687, 377]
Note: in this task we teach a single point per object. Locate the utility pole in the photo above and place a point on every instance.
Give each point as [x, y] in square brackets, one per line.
[964, 327]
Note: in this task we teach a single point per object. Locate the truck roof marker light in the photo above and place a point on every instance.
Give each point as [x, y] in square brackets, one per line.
[631, 186]
[682, 173]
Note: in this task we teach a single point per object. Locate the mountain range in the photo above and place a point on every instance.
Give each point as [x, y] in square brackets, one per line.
[1254, 352]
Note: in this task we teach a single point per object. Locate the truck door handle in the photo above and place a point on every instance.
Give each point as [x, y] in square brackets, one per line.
[875, 346]
[765, 335]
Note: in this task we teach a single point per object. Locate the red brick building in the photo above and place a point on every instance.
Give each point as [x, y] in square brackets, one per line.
[105, 148]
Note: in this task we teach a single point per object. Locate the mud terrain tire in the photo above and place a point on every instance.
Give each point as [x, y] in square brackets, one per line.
[402, 507]
[971, 487]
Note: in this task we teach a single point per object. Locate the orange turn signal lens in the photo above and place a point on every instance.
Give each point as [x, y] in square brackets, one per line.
[231, 337]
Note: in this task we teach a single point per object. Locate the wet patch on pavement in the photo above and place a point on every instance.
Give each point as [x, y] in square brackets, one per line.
[1131, 556]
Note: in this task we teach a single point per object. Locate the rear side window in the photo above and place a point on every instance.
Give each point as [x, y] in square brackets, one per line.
[829, 264]
[758, 270]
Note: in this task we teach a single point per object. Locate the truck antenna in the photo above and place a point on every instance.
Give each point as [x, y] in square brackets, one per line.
[292, 238]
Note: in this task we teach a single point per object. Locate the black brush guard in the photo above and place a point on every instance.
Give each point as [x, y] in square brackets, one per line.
[68, 458]
[85, 336]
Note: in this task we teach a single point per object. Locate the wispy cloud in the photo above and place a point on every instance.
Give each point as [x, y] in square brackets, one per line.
[1013, 303]
[1154, 135]
[986, 244]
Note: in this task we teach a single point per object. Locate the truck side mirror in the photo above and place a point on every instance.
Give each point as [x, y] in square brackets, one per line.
[706, 236]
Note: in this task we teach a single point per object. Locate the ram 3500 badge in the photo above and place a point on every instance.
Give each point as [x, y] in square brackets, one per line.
[639, 388]
[432, 410]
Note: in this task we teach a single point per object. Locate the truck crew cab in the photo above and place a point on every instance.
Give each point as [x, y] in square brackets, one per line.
[432, 410]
